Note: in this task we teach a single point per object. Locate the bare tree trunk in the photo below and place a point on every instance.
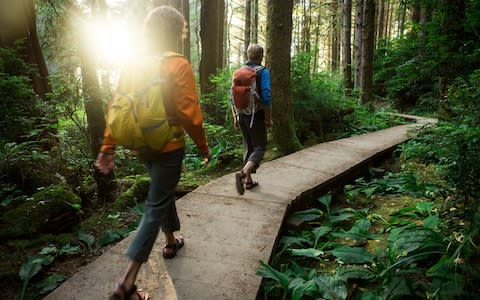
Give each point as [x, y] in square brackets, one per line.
[209, 39]
[402, 12]
[335, 37]
[316, 45]
[279, 39]
[18, 21]
[255, 21]
[368, 43]
[94, 110]
[220, 33]
[358, 42]
[347, 47]
[381, 20]
[248, 25]
[186, 41]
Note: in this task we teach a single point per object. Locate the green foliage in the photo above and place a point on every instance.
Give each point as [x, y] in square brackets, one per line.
[456, 150]
[40, 214]
[334, 245]
[404, 78]
[405, 183]
[317, 99]
[36, 263]
[17, 104]
[216, 104]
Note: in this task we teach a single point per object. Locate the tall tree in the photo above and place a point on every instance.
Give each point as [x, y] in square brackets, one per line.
[209, 39]
[220, 34]
[358, 42]
[94, 106]
[278, 60]
[18, 21]
[247, 26]
[255, 21]
[381, 20]
[368, 43]
[335, 36]
[347, 47]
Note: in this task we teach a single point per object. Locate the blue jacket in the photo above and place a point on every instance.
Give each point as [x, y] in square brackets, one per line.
[265, 93]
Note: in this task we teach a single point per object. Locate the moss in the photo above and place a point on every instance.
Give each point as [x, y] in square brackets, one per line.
[50, 210]
[135, 194]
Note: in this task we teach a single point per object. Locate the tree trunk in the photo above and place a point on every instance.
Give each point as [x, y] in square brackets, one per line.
[452, 32]
[335, 37]
[18, 21]
[186, 41]
[209, 39]
[279, 39]
[358, 42]
[94, 111]
[347, 47]
[381, 20]
[220, 34]
[368, 43]
[248, 25]
[255, 21]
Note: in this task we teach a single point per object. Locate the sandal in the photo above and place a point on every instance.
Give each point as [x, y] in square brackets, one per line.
[251, 185]
[175, 247]
[127, 294]
[239, 182]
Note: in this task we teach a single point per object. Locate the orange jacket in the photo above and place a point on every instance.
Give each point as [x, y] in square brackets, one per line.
[188, 110]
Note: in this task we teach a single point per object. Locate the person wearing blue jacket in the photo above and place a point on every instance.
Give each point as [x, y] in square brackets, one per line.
[254, 132]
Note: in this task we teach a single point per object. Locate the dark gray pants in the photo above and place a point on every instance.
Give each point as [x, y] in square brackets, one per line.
[160, 210]
[255, 138]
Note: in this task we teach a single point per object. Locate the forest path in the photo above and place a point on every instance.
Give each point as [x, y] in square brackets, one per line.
[226, 235]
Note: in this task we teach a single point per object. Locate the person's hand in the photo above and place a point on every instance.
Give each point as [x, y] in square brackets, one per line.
[268, 123]
[104, 162]
[235, 123]
[207, 158]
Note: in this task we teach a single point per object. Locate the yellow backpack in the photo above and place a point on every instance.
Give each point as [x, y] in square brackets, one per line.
[137, 116]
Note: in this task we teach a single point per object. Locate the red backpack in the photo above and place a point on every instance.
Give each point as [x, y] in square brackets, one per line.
[245, 91]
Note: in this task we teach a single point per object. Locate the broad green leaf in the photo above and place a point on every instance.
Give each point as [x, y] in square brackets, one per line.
[351, 255]
[432, 222]
[307, 215]
[355, 272]
[52, 250]
[266, 271]
[292, 241]
[424, 207]
[309, 252]
[50, 283]
[87, 238]
[33, 265]
[109, 237]
[69, 249]
[301, 288]
[331, 287]
[319, 232]
[341, 217]
[359, 231]
[326, 200]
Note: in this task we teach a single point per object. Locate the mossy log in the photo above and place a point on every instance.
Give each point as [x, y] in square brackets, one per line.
[52, 210]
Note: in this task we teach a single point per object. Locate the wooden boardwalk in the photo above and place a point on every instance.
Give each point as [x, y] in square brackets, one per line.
[226, 235]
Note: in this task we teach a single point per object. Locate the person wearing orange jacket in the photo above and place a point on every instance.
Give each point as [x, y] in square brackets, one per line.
[164, 28]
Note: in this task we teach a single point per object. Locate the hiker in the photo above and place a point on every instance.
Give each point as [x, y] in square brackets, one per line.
[163, 30]
[253, 122]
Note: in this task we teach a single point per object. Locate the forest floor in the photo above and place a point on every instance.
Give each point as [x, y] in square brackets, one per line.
[97, 220]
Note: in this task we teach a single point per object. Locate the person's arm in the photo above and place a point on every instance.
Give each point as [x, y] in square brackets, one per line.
[266, 96]
[189, 112]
